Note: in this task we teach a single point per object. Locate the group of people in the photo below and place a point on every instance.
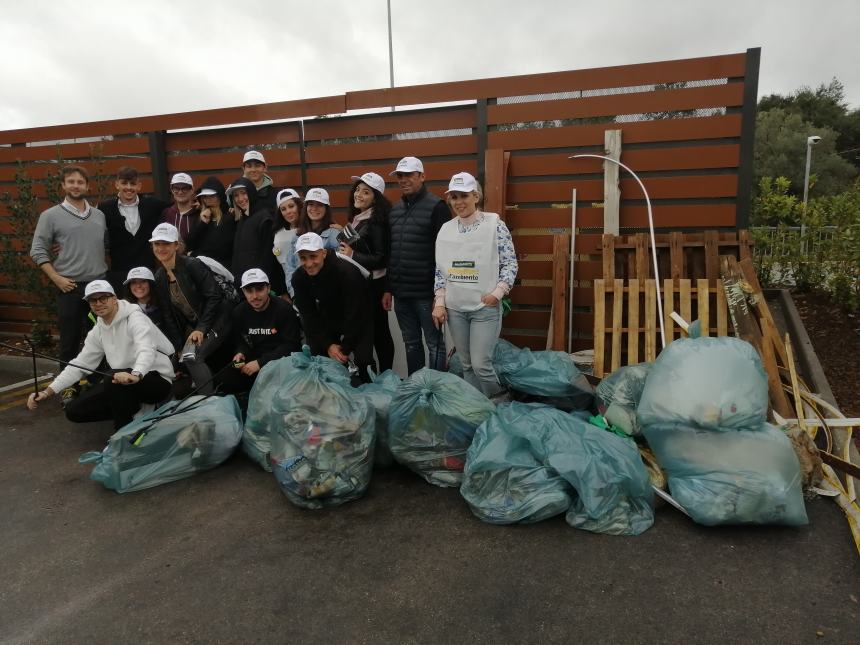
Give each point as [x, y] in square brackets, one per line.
[180, 268]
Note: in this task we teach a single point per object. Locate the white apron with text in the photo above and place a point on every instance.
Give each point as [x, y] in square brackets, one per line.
[469, 262]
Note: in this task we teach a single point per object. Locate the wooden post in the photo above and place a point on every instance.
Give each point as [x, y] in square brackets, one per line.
[611, 187]
[496, 175]
[560, 268]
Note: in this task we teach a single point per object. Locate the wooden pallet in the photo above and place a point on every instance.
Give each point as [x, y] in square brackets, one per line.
[679, 255]
[626, 327]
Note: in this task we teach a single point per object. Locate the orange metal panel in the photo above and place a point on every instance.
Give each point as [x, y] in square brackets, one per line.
[464, 145]
[432, 169]
[225, 160]
[228, 138]
[128, 146]
[698, 186]
[389, 123]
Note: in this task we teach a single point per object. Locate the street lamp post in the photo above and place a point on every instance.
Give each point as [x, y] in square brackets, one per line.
[810, 141]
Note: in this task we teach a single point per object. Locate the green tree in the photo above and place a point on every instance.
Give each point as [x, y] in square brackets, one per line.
[780, 151]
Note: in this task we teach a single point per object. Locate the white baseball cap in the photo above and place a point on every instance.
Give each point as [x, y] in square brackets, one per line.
[318, 195]
[462, 182]
[207, 191]
[253, 155]
[139, 273]
[408, 164]
[309, 242]
[285, 194]
[98, 286]
[254, 276]
[165, 233]
[373, 180]
[182, 178]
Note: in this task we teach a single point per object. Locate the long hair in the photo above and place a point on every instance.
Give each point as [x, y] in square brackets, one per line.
[381, 206]
[305, 223]
[153, 295]
[279, 222]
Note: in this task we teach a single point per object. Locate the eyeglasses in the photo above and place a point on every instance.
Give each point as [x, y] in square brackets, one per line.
[176, 188]
[100, 300]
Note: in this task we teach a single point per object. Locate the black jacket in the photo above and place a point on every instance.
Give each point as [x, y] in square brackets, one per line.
[335, 305]
[213, 240]
[415, 223]
[266, 198]
[202, 292]
[267, 335]
[252, 245]
[126, 250]
[374, 246]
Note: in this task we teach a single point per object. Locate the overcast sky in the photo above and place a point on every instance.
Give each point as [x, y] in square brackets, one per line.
[66, 62]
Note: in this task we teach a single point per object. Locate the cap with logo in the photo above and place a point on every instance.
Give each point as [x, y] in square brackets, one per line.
[165, 233]
[96, 287]
[373, 180]
[318, 195]
[408, 164]
[254, 276]
[285, 194]
[309, 242]
[139, 273]
[182, 178]
[462, 182]
[253, 155]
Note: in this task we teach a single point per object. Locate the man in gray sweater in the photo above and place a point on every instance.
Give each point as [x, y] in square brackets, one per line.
[79, 231]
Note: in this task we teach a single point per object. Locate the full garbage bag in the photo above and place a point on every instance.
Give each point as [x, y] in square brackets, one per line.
[379, 393]
[618, 396]
[716, 383]
[749, 476]
[322, 434]
[175, 441]
[431, 422]
[273, 383]
[504, 480]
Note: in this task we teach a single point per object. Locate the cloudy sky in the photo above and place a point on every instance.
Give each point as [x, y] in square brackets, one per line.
[66, 62]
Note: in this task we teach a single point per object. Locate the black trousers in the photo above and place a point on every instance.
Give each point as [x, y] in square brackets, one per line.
[382, 342]
[109, 400]
[72, 312]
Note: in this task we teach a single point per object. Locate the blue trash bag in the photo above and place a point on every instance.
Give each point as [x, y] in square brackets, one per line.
[550, 376]
[273, 384]
[175, 441]
[431, 422]
[614, 493]
[750, 476]
[716, 383]
[322, 434]
[455, 366]
[379, 393]
[504, 482]
[618, 396]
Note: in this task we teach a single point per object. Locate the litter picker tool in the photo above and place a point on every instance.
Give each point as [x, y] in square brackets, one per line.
[52, 358]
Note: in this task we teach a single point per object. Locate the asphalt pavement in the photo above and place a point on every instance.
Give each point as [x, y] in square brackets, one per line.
[224, 557]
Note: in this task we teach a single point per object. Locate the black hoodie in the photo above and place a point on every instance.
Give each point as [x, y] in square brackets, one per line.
[214, 240]
[252, 247]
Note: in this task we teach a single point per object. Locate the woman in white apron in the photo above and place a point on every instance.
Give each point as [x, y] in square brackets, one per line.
[476, 266]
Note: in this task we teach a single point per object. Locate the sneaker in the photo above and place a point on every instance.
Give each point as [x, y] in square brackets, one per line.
[68, 395]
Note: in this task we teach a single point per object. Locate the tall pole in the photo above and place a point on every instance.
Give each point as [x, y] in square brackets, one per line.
[809, 143]
[390, 52]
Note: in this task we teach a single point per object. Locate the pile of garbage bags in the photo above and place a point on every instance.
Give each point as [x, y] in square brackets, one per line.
[703, 412]
[529, 462]
[618, 396]
[379, 392]
[431, 422]
[321, 431]
[175, 441]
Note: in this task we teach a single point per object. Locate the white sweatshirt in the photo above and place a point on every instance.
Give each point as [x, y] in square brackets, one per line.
[131, 341]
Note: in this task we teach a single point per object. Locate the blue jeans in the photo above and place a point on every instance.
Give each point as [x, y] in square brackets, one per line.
[474, 334]
[414, 315]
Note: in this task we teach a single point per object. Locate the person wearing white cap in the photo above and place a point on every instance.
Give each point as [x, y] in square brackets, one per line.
[140, 291]
[130, 218]
[136, 352]
[476, 266]
[264, 329]
[254, 168]
[213, 233]
[191, 295]
[185, 210]
[369, 218]
[333, 299]
[415, 221]
[284, 242]
[80, 231]
[316, 218]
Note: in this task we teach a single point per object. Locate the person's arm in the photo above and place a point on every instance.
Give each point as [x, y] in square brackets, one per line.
[142, 337]
[508, 265]
[84, 363]
[208, 291]
[356, 303]
[315, 327]
[40, 251]
[441, 214]
[238, 328]
[372, 249]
